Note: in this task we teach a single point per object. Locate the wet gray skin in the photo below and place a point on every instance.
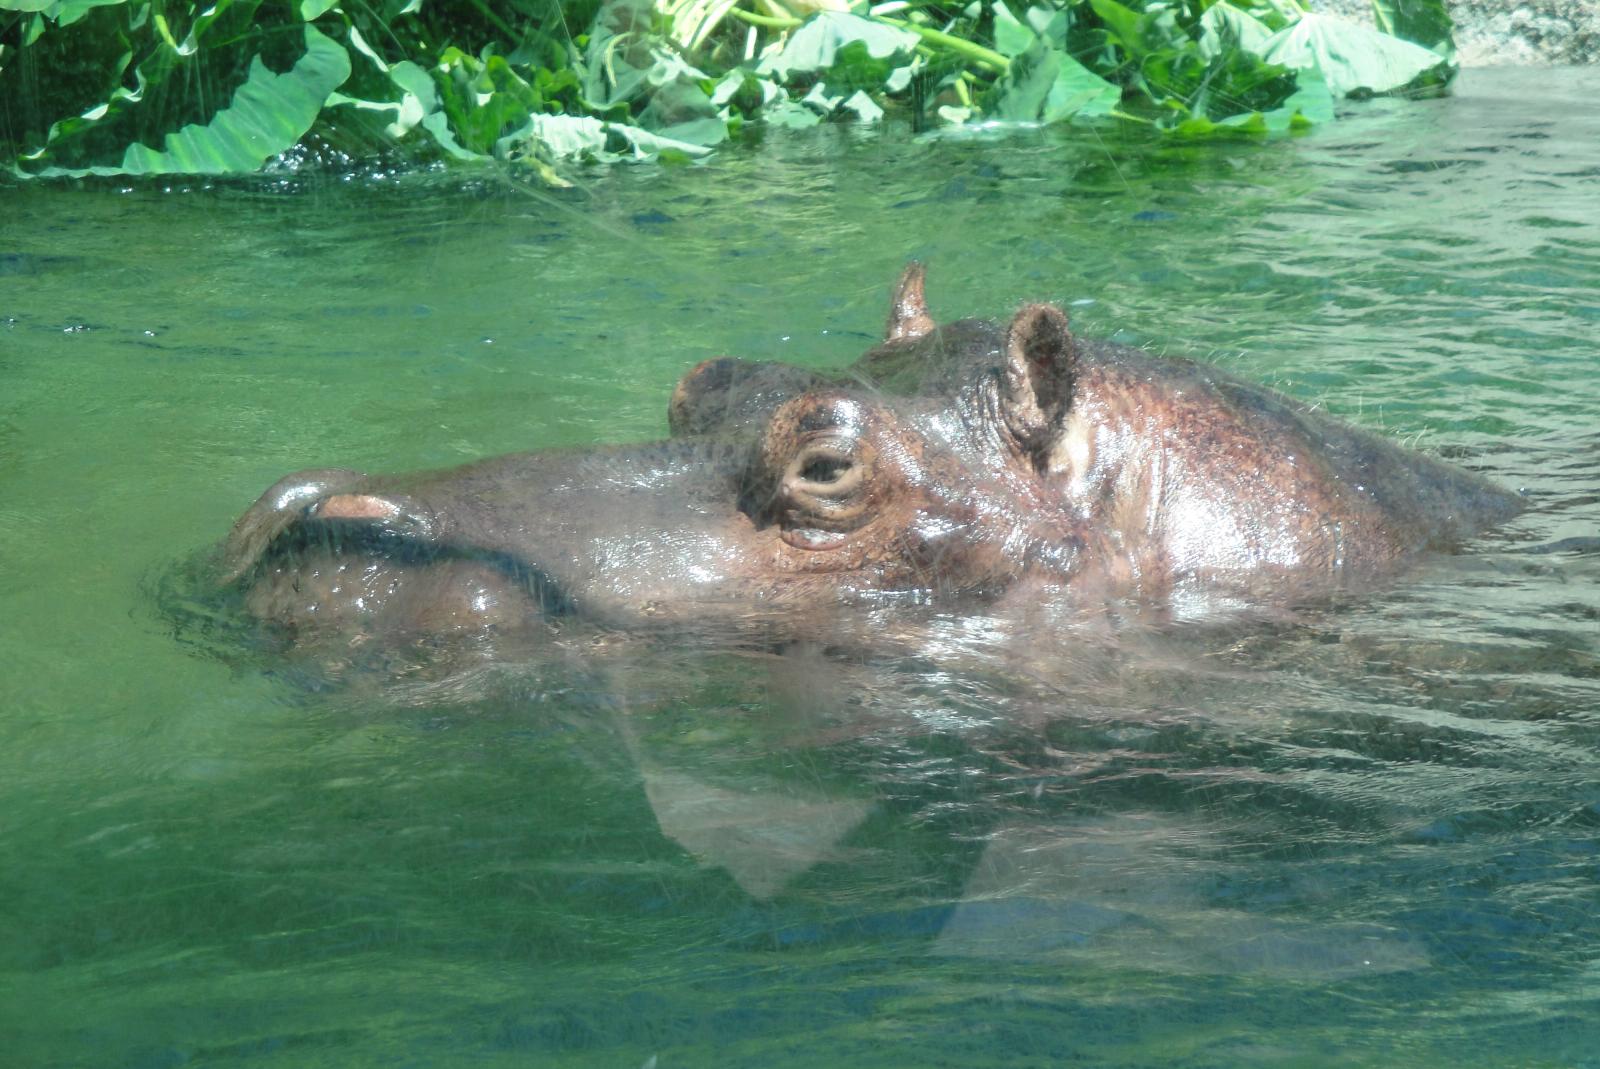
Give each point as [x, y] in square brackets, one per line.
[968, 465]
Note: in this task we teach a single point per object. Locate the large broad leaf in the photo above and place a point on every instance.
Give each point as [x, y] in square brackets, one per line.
[559, 136]
[1011, 37]
[1046, 85]
[1353, 58]
[815, 47]
[1224, 26]
[790, 115]
[1309, 105]
[848, 57]
[857, 105]
[1123, 24]
[1152, 29]
[743, 92]
[582, 137]
[267, 115]
[62, 12]
[1425, 22]
[419, 105]
[625, 64]
[1233, 83]
[647, 144]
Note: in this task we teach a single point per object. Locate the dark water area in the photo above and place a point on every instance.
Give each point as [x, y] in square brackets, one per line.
[1364, 835]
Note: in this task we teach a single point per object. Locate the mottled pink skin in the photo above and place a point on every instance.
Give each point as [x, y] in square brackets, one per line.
[974, 464]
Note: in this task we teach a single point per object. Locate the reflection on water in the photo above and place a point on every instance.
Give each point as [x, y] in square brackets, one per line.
[1364, 834]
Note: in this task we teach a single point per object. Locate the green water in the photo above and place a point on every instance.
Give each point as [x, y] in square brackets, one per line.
[1369, 836]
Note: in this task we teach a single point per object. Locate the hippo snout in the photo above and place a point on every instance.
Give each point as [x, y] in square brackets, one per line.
[321, 551]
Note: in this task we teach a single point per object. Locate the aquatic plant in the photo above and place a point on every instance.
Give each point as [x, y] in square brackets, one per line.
[128, 87]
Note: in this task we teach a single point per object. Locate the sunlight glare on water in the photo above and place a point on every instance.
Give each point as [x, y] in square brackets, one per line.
[1364, 836]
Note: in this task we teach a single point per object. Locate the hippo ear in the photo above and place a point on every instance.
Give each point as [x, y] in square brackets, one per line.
[908, 311]
[1040, 364]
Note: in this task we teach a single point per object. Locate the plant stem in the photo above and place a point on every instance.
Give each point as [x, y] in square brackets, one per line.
[764, 21]
[512, 36]
[977, 53]
[1381, 19]
[1295, 8]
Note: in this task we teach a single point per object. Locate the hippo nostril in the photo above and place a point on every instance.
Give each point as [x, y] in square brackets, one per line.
[387, 514]
[354, 507]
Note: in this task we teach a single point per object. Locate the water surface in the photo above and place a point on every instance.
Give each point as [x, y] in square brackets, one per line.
[1364, 836]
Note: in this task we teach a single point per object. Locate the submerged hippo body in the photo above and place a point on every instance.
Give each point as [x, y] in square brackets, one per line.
[961, 465]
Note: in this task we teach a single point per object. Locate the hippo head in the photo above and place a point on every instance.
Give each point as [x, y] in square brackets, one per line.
[950, 465]
[922, 472]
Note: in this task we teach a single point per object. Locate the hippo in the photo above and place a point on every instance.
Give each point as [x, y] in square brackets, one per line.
[967, 466]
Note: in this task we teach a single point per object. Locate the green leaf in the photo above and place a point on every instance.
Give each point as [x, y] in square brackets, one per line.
[315, 9]
[626, 65]
[584, 137]
[865, 108]
[267, 115]
[845, 59]
[1312, 102]
[480, 98]
[815, 47]
[790, 115]
[1423, 22]
[420, 106]
[646, 143]
[1050, 23]
[741, 90]
[1234, 82]
[624, 62]
[1046, 85]
[822, 98]
[561, 136]
[1127, 27]
[359, 43]
[1352, 58]
[437, 123]
[66, 129]
[1011, 38]
[61, 12]
[1224, 26]
[1309, 105]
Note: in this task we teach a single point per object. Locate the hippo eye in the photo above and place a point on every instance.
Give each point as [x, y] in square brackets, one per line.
[821, 455]
[824, 492]
[825, 471]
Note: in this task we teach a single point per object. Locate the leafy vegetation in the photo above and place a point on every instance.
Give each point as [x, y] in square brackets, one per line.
[223, 86]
